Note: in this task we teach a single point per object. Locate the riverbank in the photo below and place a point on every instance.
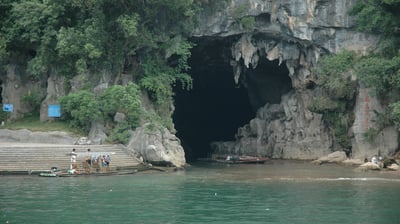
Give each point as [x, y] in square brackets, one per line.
[28, 158]
[33, 158]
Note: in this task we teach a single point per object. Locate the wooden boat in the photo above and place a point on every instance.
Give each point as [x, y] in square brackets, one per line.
[235, 159]
[69, 174]
[50, 174]
[112, 173]
[252, 159]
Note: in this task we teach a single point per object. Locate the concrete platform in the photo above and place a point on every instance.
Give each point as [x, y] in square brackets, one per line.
[23, 158]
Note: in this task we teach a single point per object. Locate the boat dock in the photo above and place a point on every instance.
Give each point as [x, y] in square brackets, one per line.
[30, 158]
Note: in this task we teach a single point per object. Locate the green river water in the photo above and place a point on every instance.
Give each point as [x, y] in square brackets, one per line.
[275, 192]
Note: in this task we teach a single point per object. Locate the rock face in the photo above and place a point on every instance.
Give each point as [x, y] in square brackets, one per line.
[157, 146]
[297, 33]
[335, 157]
[24, 96]
[393, 167]
[323, 24]
[55, 89]
[287, 130]
[369, 166]
[385, 142]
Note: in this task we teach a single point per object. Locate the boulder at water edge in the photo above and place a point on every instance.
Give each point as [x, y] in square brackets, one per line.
[335, 157]
[369, 166]
[393, 167]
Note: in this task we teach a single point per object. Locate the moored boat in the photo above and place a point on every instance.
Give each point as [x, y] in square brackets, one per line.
[49, 174]
[112, 173]
[235, 159]
[73, 173]
[252, 159]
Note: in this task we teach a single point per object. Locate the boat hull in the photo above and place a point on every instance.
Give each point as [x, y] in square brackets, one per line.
[236, 159]
[62, 174]
[48, 174]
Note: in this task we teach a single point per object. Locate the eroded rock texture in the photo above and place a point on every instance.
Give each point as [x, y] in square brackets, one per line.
[296, 33]
[263, 35]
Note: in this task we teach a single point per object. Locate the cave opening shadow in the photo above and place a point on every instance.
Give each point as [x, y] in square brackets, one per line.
[216, 107]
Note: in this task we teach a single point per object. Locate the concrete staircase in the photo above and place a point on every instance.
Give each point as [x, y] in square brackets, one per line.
[25, 158]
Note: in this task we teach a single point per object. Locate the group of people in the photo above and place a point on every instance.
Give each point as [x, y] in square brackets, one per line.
[378, 160]
[374, 159]
[92, 160]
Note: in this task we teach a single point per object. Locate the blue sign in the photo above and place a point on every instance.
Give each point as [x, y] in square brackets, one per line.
[8, 107]
[54, 110]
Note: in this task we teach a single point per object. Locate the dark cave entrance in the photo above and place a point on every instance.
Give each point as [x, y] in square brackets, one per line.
[216, 107]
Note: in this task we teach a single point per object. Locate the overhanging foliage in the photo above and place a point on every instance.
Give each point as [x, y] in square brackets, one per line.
[77, 37]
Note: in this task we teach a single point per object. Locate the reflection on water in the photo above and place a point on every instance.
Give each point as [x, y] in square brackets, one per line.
[275, 192]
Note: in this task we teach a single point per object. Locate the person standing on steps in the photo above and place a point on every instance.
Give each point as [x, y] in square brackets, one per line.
[73, 160]
[108, 161]
[88, 161]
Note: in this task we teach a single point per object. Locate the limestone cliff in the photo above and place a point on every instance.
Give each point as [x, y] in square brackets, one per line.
[297, 33]
[294, 32]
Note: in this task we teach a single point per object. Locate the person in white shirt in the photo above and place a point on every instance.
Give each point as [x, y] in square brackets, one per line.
[374, 160]
[73, 159]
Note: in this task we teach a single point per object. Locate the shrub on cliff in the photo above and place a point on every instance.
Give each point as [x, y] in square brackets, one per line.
[122, 99]
[336, 101]
[380, 17]
[83, 107]
[80, 109]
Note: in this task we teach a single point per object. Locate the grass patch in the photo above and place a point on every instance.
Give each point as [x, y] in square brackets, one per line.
[34, 124]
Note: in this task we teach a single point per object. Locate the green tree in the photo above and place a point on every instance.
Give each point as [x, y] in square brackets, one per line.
[337, 96]
[381, 71]
[83, 107]
[331, 74]
[80, 108]
[30, 29]
[86, 37]
[380, 17]
[76, 36]
[123, 99]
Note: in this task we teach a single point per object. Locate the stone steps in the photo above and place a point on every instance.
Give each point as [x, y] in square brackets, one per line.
[26, 157]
